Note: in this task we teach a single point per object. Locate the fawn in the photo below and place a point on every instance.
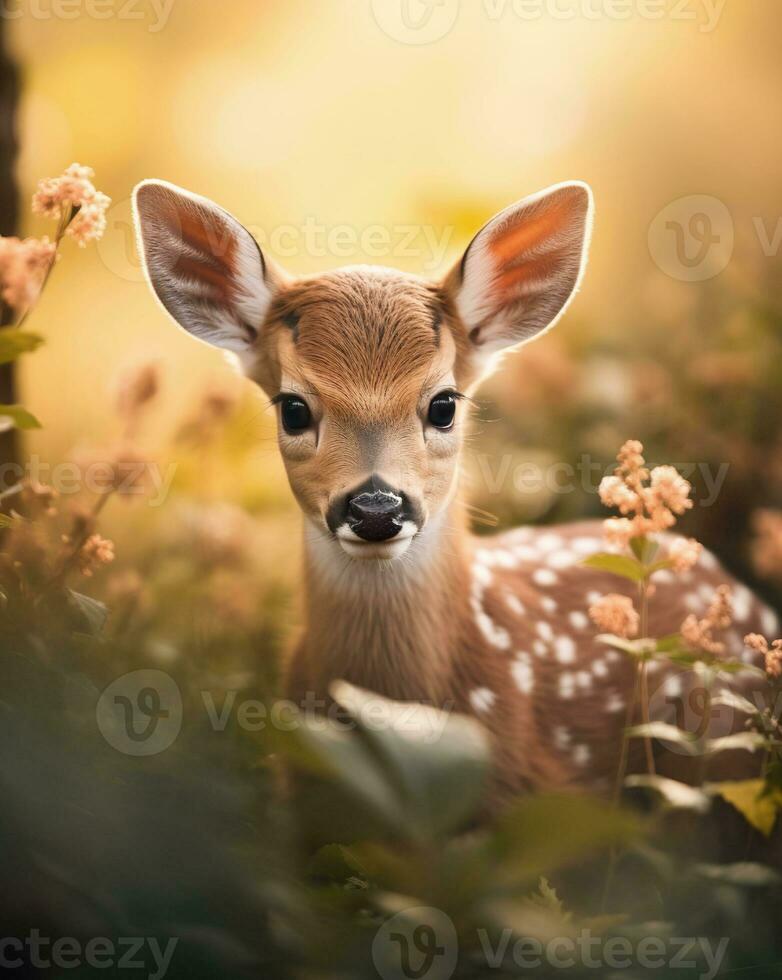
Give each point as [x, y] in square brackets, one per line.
[369, 370]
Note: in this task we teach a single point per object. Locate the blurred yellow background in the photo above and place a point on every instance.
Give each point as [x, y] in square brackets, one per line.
[294, 115]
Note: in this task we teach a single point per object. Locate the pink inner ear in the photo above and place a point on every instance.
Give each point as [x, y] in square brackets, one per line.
[529, 232]
[214, 248]
[529, 272]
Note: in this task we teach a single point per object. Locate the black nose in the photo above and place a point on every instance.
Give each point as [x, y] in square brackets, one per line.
[375, 515]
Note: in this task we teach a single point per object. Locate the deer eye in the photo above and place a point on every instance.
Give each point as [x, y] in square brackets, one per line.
[295, 414]
[442, 410]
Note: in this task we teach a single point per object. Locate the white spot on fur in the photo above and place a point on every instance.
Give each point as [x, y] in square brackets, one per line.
[673, 686]
[693, 602]
[612, 656]
[561, 559]
[523, 675]
[742, 603]
[600, 668]
[539, 648]
[581, 755]
[481, 575]
[549, 542]
[706, 592]
[498, 636]
[549, 605]
[544, 577]
[586, 546]
[707, 559]
[578, 620]
[593, 597]
[664, 577]
[566, 685]
[584, 679]
[545, 632]
[769, 623]
[525, 553]
[565, 649]
[562, 738]
[482, 699]
[515, 604]
[615, 703]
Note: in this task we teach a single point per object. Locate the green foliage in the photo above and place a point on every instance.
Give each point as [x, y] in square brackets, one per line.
[19, 417]
[14, 343]
[622, 565]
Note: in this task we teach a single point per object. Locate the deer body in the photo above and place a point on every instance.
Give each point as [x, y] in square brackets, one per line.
[369, 369]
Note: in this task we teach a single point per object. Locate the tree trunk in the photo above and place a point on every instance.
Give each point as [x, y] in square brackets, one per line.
[9, 213]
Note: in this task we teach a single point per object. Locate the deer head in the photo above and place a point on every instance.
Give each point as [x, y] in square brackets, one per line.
[368, 367]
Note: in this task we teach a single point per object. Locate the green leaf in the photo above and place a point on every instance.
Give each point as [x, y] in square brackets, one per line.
[437, 760]
[730, 699]
[748, 741]
[748, 874]
[749, 798]
[546, 898]
[635, 648]
[644, 549]
[93, 613]
[336, 863]
[19, 417]
[407, 770]
[669, 644]
[676, 795]
[543, 832]
[660, 566]
[621, 565]
[666, 733]
[14, 343]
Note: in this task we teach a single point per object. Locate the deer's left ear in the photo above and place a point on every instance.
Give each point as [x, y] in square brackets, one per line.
[521, 269]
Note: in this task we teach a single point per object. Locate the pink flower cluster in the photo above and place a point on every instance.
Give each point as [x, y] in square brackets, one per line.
[23, 267]
[699, 633]
[648, 501]
[73, 193]
[772, 653]
[615, 614]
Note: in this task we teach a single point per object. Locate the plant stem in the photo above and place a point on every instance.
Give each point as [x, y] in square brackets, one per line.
[64, 222]
[643, 679]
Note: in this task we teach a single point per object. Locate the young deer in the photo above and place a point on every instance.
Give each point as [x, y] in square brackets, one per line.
[368, 368]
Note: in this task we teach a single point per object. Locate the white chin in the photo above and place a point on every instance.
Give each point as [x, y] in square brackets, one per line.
[394, 548]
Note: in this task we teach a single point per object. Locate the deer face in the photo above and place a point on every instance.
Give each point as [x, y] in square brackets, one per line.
[368, 368]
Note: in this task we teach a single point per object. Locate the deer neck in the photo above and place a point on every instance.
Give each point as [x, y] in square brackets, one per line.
[390, 626]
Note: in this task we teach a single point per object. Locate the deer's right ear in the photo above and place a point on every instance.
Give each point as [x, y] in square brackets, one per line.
[204, 266]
